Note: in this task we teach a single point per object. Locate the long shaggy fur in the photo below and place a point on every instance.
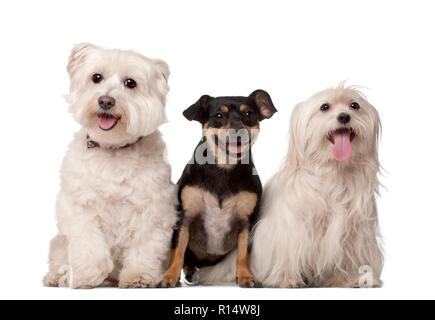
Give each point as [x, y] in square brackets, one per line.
[117, 207]
[319, 223]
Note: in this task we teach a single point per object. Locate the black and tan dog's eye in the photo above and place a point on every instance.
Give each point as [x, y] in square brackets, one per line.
[130, 83]
[324, 107]
[96, 78]
[355, 106]
[248, 114]
[219, 116]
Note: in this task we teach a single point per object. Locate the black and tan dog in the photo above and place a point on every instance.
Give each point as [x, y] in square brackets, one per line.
[219, 191]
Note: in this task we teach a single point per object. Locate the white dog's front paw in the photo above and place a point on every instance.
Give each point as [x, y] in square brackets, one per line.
[141, 280]
[57, 279]
[363, 282]
[91, 275]
[88, 281]
[293, 284]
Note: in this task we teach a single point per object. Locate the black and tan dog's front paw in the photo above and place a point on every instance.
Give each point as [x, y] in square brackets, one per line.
[170, 281]
[248, 282]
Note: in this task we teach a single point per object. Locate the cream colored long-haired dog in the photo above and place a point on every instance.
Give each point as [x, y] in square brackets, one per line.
[319, 224]
[116, 207]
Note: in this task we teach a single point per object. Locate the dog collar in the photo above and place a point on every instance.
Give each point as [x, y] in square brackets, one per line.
[91, 144]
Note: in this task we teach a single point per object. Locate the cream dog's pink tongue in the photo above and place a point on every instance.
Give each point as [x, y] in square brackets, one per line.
[342, 148]
[106, 122]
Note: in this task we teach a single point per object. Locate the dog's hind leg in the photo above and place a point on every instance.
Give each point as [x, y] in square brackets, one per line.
[191, 276]
[58, 274]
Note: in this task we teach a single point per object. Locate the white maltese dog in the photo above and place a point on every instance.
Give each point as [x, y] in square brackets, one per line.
[117, 206]
[319, 223]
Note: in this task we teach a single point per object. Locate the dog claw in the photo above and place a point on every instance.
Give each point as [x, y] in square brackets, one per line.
[167, 284]
[248, 283]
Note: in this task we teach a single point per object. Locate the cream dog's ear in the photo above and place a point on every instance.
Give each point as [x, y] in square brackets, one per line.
[163, 68]
[77, 56]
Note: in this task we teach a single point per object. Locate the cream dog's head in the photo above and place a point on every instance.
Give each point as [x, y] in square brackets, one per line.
[118, 96]
[336, 126]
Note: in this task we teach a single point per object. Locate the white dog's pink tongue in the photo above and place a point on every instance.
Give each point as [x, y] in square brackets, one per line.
[106, 123]
[342, 146]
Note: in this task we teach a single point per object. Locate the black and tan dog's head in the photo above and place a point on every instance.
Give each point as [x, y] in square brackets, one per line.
[231, 124]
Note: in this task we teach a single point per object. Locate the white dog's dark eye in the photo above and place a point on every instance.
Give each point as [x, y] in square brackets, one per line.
[96, 78]
[130, 83]
[324, 107]
[355, 106]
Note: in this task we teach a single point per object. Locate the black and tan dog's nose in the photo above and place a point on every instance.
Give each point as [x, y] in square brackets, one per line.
[106, 102]
[343, 118]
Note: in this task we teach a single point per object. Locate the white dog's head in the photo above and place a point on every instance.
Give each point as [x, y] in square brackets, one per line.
[118, 96]
[336, 125]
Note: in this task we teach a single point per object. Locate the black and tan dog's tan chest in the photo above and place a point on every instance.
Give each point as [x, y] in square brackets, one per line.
[217, 209]
[219, 190]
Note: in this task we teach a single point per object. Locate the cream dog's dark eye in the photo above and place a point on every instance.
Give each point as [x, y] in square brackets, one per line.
[96, 78]
[324, 107]
[130, 83]
[355, 106]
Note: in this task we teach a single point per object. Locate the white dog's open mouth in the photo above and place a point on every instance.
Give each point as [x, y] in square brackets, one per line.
[107, 121]
[342, 141]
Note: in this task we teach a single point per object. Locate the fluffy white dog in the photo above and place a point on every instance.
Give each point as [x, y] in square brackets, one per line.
[117, 206]
[319, 223]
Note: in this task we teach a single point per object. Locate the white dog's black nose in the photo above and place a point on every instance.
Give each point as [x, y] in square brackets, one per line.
[343, 118]
[106, 102]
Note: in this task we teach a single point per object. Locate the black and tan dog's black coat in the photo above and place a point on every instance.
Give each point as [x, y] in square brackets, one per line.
[219, 201]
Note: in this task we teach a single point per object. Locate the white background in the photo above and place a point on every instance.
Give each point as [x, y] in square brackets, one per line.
[290, 49]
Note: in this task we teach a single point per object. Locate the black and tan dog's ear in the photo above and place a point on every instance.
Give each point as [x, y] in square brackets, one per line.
[264, 103]
[77, 56]
[197, 110]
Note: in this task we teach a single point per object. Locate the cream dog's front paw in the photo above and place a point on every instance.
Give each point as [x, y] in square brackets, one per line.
[135, 280]
[57, 279]
[90, 275]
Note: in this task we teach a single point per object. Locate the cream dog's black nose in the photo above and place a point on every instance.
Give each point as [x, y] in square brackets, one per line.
[106, 102]
[343, 118]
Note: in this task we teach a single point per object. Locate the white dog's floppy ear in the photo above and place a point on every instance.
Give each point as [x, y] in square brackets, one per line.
[377, 128]
[264, 103]
[163, 68]
[196, 111]
[297, 136]
[77, 56]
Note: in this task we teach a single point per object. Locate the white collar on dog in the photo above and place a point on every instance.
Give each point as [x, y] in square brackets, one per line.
[91, 144]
